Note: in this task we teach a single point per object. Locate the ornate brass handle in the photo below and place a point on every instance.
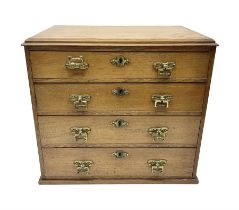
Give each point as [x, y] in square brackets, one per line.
[83, 166]
[159, 133]
[120, 154]
[120, 61]
[80, 101]
[120, 91]
[77, 63]
[164, 68]
[157, 166]
[80, 133]
[119, 123]
[161, 100]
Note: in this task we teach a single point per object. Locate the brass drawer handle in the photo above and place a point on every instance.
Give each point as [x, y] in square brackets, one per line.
[157, 166]
[120, 91]
[83, 166]
[80, 133]
[77, 63]
[80, 101]
[120, 61]
[164, 68]
[161, 100]
[119, 123]
[120, 154]
[158, 134]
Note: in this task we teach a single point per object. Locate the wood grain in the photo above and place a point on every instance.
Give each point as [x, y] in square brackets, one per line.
[34, 110]
[119, 34]
[51, 64]
[59, 162]
[54, 98]
[55, 130]
[44, 181]
[114, 47]
[210, 70]
[118, 80]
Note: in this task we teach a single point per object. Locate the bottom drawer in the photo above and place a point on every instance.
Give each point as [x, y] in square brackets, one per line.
[85, 163]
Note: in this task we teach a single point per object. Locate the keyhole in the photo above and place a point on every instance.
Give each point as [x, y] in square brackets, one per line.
[120, 60]
[120, 154]
[121, 91]
[119, 123]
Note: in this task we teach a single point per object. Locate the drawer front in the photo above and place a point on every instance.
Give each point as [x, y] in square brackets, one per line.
[81, 131]
[83, 163]
[97, 66]
[65, 98]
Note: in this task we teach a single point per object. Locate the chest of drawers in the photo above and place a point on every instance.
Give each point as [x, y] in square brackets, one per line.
[119, 104]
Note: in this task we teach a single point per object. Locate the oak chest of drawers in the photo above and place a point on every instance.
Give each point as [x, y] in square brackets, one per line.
[119, 104]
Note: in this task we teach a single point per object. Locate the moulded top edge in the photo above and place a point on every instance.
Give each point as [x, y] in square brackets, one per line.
[118, 35]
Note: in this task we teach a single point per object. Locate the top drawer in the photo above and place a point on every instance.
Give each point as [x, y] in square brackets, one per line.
[119, 66]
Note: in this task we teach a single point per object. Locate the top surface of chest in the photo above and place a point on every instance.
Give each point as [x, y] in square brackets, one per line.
[119, 35]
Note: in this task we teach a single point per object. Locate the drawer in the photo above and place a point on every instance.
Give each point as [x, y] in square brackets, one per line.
[98, 65]
[84, 163]
[76, 99]
[83, 131]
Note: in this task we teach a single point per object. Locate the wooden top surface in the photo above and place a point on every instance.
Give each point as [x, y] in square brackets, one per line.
[119, 35]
